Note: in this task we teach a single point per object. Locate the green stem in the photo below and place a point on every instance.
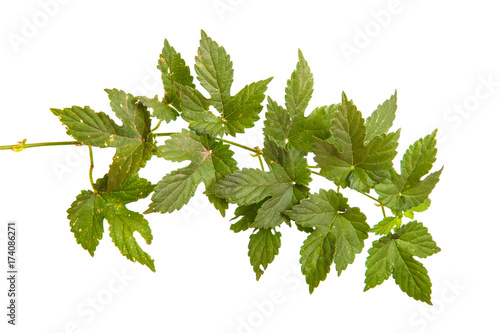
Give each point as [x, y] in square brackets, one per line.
[316, 173]
[165, 134]
[378, 201]
[239, 145]
[156, 127]
[219, 139]
[43, 144]
[261, 163]
[91, 168]
[369, 196]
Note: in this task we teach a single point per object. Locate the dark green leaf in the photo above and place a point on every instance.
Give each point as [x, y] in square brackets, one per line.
[346, 159]
[133, 144]
[88, 211]
[174, 72]
[393, 255]
[211, 161]
[263, 247]
[406, 191]
[284, 185]
[215, 73]
[329, 213]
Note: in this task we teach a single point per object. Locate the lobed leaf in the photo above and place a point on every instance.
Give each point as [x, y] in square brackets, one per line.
[406, 191]
[393, 255]
[340, 233]
[215, 73]
[89, 210]
[133, 144]
[347, 159]
[210, 161]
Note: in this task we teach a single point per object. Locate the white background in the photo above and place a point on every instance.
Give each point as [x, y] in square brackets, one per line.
[436, 54]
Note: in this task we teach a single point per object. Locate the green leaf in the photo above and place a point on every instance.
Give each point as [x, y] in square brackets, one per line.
[247, 214]
[299, 88]
[329, 213]
[405, 191]
[132, 189]
[122, 225]
[161, 110]
[89, 210]
[278, 122]
[211, 161]
[382, 118]
[346, 159]
[410, 213]
[300, 132]
[249, 186]
[284, 185]
[174, 72]
[86, 215]
[132, 142]
[134, 147]
[290, 125]
[414, 239]
[194, 108]
[317, 125]
[393, 255]
[263, 247]
[386, 225]
[215, 73]
[316, 256]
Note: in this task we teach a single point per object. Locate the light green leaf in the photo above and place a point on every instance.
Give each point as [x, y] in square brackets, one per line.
[382, 118]
[263, 247]
[386, 225]
[210, 161]
[410, 213]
